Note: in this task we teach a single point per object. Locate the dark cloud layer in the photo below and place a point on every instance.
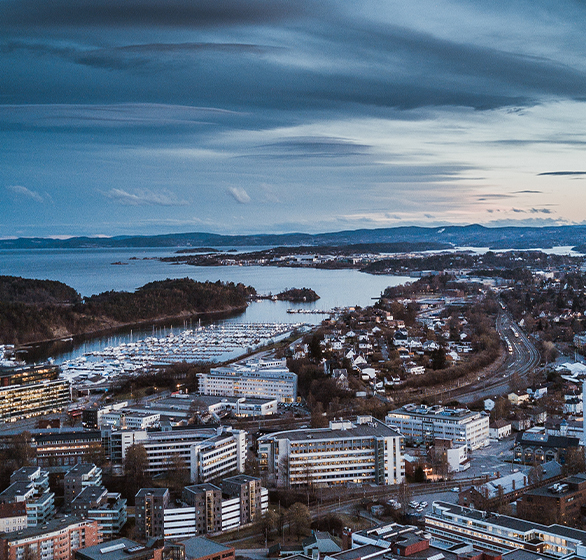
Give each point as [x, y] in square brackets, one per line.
[562, 173]
[145, 13]
[160, 111]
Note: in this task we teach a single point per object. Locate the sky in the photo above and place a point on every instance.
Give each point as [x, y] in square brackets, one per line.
[270, 116]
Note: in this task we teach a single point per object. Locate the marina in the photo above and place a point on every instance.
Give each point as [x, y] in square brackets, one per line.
[210, 343]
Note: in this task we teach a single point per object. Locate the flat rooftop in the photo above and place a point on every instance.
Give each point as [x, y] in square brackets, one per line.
[509, 522]
[369, 429]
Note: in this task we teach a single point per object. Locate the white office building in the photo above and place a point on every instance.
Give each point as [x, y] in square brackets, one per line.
[257, 379]
[361, 451]
[420, 423]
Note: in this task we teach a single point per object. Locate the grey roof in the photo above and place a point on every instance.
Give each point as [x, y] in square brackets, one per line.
[360, 552]
[520, 554]
[49, 527]
[203, 487]
[24, 473]
[89, 495]
[546, 440]
[154, 491]
[508, 483]
[494, 519]
[436, 411]
[431, 552]
[374, 428]
[513, 522]
[241, 478]
[112, 550]
[322, 541]
[196, 547]
[551, 469]
[80, 469]
[16, 489]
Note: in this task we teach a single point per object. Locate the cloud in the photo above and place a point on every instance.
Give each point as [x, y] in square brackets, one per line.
[494, 196]
[314, 146]
[527, 192]
[27, 193]
[533, 211]
[562, 173]
[145, 197]
[118, 115]
[147, 13]
[239, 195]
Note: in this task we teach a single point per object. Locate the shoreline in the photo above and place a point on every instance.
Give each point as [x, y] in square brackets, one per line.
[98, 333]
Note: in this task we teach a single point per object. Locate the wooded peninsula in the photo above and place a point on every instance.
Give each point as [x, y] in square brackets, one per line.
[40, 310]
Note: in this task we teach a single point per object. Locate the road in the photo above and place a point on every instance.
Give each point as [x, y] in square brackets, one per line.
[521, 360]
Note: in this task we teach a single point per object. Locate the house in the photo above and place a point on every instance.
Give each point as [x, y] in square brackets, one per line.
[499, 429]
[537, 392]
[517, 399]
[488, 404]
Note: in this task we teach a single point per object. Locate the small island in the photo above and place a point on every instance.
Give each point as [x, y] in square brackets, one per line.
[293, 295]
[298, 295]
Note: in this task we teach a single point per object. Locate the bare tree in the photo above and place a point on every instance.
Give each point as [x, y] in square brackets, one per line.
[299, 519]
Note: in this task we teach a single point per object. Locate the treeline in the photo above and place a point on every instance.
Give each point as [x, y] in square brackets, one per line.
[428, 285]
[26, 317]
[509, 264]
[166, 298]
[14, 289]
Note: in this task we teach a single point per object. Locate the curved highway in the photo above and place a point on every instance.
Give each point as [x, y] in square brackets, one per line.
[522, 358]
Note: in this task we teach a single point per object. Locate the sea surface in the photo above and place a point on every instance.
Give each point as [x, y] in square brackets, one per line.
[90, 271]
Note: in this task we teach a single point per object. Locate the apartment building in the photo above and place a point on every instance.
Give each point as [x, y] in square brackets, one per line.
[208, 453]
[206, 508]
[361, 451]
[257, 379]
[12, 517]
[107, 508]
[79, 477]
[451, 524]
[247, 489]
[55, 540]
[423, 424]
[150, 504]
[30, 486]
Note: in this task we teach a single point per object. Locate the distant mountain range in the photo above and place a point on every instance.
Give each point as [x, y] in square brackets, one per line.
[440, 237]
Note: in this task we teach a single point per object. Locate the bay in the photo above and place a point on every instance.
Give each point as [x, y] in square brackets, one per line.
[90, 271]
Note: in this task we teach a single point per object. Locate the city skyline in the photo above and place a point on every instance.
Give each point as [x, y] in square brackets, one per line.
[268, 117]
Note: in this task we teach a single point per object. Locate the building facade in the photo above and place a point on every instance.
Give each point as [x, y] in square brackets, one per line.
[258, 379]
[361, 451]
[423, 424]
[452, 524]
[30, 486]
[79, 477]
[560, 502]
[56, 540]
[207, 453]
[150, 504]
[24, 401]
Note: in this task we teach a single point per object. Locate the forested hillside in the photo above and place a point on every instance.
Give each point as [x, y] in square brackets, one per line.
[34, 310]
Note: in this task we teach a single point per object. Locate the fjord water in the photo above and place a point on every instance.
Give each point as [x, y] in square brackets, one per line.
[90, 271]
